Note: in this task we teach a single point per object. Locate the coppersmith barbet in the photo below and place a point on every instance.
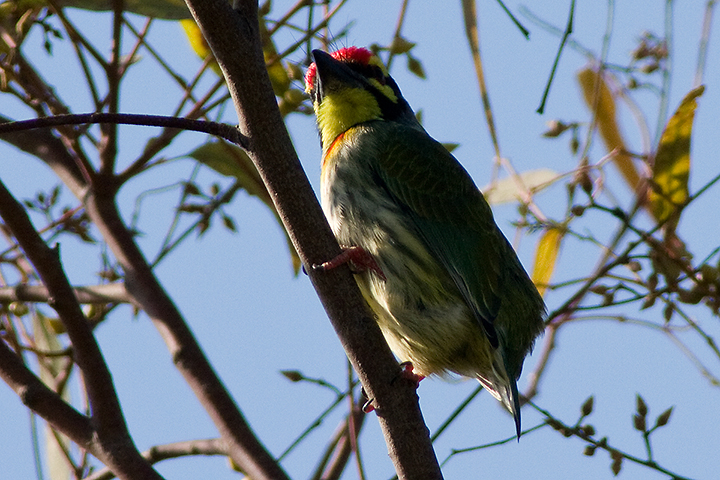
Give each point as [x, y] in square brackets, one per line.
[447, 288]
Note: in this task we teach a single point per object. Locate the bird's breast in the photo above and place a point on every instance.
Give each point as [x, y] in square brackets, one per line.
[418, 306]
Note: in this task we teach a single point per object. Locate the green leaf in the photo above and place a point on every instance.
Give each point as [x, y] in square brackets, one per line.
[229, 223]
[415, 66]
[164, 9]
[450, 146]
[511, 189]
[672, 162]
[401, 45]
[231, 161]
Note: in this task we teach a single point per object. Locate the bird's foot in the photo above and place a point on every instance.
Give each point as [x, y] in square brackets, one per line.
[358, 258]
[367, 406]
[407, 373]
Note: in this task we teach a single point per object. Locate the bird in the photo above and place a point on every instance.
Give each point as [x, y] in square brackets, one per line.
[446, 287]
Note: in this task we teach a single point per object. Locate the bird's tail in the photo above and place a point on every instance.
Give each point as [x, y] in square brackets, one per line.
[504, 388]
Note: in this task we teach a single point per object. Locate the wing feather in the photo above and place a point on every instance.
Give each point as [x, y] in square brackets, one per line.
[451, 215]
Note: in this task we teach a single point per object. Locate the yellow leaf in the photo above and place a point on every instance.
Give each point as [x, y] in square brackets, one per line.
[672, 161]
[546, 257]
[279, 77]
[599, 99]
[232, 161]
[198, 43]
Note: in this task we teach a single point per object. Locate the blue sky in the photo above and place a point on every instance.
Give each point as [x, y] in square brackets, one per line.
[253, 318]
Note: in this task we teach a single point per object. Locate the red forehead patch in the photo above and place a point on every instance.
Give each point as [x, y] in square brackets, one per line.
[349, 54]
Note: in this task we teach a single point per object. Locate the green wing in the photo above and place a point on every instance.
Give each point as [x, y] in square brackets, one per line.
[450, 213]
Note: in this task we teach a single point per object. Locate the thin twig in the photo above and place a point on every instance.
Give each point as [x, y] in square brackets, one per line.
[107, 149]
[579, 432]
[704, 39]
[666, 72]
[471, 31]
[566, 34]
[107, 417]
[398, 30]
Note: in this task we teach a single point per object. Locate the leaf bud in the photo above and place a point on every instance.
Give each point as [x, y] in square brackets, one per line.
[642, 408]
[578, 210]
[19, 309]
[554, 128]
[664, 417]
[639, 423]
[292, 375]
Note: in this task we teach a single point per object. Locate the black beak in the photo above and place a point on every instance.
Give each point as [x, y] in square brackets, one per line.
[331, 75]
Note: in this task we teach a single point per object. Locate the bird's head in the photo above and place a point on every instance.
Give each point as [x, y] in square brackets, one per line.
[349, 87]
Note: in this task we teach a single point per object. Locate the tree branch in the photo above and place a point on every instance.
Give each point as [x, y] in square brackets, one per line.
[98, 196]
[222, 130]
[111, 437]
[39, 398]
[235, 42]
[243, 446]
[47, 147]
[106, 293]
[158, 453]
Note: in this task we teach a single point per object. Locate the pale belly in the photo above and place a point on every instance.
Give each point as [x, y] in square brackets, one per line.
[418, 307]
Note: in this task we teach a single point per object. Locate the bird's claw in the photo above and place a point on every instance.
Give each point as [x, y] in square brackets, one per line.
[407, 373]
[367, 406]
[357, 257]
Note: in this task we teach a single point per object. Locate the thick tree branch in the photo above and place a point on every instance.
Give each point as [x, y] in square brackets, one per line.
[144, 288]
[112, 440]
[243, 446]
[233, 37]
[43, 401]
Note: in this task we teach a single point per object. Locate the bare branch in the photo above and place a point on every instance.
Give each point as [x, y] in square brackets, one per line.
[227, 132]
[234, 39]
[46, 403]
[114, 444]
[50, 149]
[106, 293]
[210, 446]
